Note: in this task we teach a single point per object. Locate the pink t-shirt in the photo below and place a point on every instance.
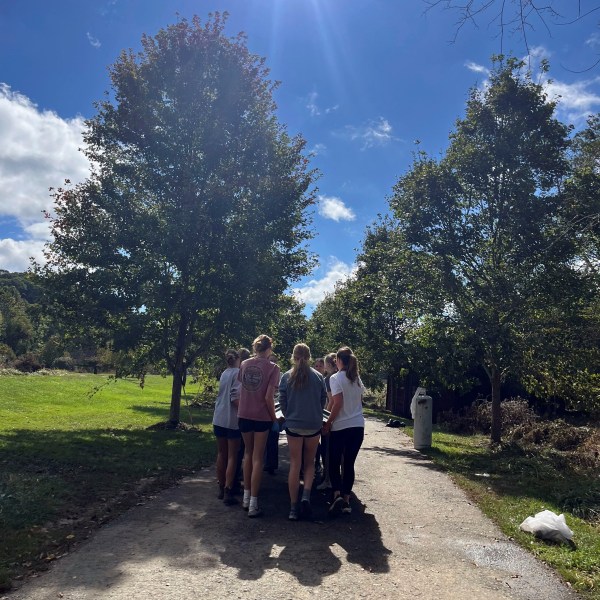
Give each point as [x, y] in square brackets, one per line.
[256, 375]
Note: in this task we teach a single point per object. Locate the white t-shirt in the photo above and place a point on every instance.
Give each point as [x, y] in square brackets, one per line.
[229, 390]
[351, 414]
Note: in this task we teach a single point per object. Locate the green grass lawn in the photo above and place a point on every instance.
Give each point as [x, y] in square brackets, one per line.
[73, 450]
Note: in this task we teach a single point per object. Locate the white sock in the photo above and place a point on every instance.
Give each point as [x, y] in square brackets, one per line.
[305, 495]
[253, 501]
[246, 496]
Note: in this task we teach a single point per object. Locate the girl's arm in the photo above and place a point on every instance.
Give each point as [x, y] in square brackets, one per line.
[329, 401]
[234, 394]
[337, 402]
[270, 402]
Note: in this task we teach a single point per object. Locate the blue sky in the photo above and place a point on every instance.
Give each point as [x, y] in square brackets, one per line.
[362, 80]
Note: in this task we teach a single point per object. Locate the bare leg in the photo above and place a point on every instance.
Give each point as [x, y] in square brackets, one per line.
[258, 456]
[248, 451]
[295, 445]
[310, 450]
[233, 447]
[222, 458]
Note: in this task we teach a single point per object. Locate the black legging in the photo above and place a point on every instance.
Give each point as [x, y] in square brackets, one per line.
[346, 443]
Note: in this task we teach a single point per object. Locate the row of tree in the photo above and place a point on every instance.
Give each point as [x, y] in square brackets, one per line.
[490, 256]
[31, 338]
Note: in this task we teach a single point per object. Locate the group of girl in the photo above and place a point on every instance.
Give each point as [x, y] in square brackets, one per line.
[245, 409]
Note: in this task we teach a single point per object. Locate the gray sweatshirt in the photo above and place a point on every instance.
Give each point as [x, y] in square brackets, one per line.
[303, 408]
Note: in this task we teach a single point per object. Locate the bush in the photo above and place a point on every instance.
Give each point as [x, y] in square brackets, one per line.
[6, 354]
[375, 398]
[64, 362]
[556, 434]
[27, 363]
[477, 418]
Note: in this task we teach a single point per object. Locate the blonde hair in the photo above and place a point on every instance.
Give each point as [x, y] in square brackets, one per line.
[301, 366]
[262, 343]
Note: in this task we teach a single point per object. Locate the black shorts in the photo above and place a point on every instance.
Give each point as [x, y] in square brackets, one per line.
[226, 432]
[250, 425]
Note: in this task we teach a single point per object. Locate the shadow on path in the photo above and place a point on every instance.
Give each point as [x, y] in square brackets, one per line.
[308, 550]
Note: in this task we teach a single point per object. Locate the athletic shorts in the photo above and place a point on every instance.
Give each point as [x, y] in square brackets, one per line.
[300, 433]
[250, 425]
[225, 432]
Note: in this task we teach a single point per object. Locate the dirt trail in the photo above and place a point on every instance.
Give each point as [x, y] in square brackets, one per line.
[412, 534]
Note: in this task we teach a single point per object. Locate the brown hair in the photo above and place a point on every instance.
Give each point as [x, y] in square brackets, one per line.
[231, 356]
[350, 363]
[244, 354]
[262, 343]
[300, 367]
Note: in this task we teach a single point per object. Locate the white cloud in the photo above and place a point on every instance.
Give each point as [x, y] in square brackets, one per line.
[311, 104]
[374, 133]
[313, 107]
[39, 150]
[318, 149]
[95, 42]
[15, 254]
[575, 100]
[334, 208]
[593, 41]
[476, 68]
[316, 289]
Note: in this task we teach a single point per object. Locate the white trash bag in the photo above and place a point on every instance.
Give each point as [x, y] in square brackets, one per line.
[547, 525]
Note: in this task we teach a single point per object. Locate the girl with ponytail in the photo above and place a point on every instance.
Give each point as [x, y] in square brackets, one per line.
[302, 397]
[225, 427]
[347, 426]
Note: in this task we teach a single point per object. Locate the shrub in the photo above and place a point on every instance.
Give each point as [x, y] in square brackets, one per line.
[556, 434]
[375, 398]
[64, 362]
[27, 363]
[516, 413]
[6, 354]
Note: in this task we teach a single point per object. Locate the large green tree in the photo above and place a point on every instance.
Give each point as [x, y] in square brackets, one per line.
[194, 219]
[569, 366]
[484, 217]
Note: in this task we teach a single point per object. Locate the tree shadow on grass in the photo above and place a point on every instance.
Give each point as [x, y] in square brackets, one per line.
[548, 479]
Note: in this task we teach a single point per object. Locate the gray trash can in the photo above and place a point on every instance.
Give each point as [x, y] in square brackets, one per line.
[421, 408]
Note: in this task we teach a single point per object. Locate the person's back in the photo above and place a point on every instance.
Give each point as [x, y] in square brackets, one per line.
[256, 374]
[303, 406]
[351, 412]
[225, 414]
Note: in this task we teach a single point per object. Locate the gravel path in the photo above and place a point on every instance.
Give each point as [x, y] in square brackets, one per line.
[412, 534]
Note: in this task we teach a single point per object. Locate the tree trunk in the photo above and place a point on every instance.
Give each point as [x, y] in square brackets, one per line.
[494, 375]
[178, 372]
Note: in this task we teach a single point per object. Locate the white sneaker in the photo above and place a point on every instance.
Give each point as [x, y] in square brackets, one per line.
[246, 503]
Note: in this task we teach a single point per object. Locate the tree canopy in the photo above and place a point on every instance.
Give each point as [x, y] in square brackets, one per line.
[481, 263]
[194, 219]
